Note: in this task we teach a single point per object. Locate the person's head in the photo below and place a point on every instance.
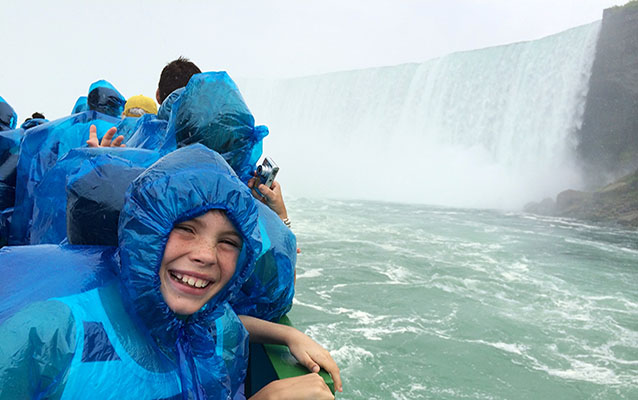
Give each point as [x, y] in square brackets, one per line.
[139, 105]
[199, 259]
[104, 97]
[211, 111]
[175, 75]
[165, 228]
[34, 120]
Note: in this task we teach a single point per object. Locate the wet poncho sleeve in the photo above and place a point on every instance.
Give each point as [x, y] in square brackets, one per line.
[36, 349]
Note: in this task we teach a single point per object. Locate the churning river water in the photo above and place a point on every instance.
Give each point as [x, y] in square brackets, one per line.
[423, 302]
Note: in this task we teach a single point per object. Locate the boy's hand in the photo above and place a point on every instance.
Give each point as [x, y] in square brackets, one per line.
[313, 356]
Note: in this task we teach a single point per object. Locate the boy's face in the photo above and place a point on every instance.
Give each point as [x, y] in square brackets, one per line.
[199, 260]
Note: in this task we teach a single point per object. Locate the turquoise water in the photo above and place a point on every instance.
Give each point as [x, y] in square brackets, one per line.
[419, 302]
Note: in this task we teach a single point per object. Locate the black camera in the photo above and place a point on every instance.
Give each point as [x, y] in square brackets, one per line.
[267, 171]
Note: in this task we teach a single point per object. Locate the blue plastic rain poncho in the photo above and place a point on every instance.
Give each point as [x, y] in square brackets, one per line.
[33, 122]
[9, 150]
[104, 98]
[105, 174]
[40, 149]
[269, 292]
[81, 104]
[81, 196]
[8, 116]
[128, 126]
[166, 107]
[5, 225]
[117, 338]
[211, 111]
[149, 133]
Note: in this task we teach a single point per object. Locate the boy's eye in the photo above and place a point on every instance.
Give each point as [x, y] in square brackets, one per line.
[233, 243]
[185, 228]
[229, 242]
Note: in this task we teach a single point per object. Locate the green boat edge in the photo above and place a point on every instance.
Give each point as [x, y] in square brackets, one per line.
[269, 362]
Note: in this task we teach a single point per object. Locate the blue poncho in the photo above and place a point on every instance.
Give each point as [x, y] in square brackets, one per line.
[8, 116]
[80, 198]
[107, 171]
[210, 110]
[104, 97]
[80, 105]
[9, 152]
[40, 149]
[117, 338]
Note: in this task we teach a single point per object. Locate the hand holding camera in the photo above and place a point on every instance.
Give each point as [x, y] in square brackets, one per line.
[270, 193]
[267, 172]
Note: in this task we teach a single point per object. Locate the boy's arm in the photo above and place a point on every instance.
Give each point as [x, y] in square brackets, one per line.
[306, 351]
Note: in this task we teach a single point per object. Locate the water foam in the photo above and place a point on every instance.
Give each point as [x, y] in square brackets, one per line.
[310, 273]
[351, 355]
[514, 348]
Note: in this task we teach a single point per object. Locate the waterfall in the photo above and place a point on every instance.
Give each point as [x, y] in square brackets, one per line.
[489, 128]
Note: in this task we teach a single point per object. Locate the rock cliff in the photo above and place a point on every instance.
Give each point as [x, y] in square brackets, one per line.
[616, 203]
[608, 139]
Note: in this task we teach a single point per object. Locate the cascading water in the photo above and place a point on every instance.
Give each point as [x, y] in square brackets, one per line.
[489, 128]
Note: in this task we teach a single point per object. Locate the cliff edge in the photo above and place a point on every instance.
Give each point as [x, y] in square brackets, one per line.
[608, 138]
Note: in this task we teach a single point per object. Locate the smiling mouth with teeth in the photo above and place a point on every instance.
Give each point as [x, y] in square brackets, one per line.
[189, 280]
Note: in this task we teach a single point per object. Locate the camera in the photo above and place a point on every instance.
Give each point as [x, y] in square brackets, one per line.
[267, 171]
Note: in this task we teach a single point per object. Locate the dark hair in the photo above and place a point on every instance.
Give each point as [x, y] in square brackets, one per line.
[35, 115]
[175, 75]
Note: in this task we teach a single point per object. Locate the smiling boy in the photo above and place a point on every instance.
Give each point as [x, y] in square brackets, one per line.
[199, 260]
[163, 328]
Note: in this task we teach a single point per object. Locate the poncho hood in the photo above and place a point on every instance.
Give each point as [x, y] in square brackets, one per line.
[179, 187]
[212, 111]
[104, 98]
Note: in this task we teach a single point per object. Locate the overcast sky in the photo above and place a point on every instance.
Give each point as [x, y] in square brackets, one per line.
[54, 50]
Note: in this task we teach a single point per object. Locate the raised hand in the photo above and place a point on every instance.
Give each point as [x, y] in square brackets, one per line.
[107, 139]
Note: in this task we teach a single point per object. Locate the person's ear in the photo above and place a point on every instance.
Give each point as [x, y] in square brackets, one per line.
[157, 97]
